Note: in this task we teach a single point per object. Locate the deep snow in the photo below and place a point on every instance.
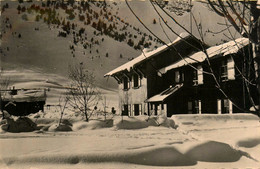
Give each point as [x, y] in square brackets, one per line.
[200, 141]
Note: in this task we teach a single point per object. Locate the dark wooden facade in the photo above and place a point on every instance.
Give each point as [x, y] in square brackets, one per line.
[206, 97]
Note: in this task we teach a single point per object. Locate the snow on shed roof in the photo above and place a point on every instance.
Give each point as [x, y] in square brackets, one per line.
[163, 95]
[145, 55]
[26, 96]
[224, 49]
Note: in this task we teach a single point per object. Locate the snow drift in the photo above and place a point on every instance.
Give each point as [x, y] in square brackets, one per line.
[210, 151]
[213, 151]
[249, 143]
[210, 121]
[93, 124]
[140, 122]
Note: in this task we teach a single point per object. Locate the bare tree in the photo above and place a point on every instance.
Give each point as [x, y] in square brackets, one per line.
[235, 12]
[105, 106]
[83, 94]
[63, 101]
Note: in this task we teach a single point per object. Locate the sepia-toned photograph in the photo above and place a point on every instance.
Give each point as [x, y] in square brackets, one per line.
[129, 84]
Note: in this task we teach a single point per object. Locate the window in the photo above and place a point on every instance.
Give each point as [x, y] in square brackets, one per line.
[230, 69]
[195, 77]
[126, 83]
[224, 76]
[137, 109]
[194, 107]
[125, 110]
[198, 76]
[225, 106]
[136, 81]
[227, 70]
[197, 107]
[179, 77]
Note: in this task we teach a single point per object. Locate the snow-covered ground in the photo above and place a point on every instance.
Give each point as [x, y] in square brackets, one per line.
[193, 141]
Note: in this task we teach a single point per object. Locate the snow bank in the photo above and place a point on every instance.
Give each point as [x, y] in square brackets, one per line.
[93, 124]
[164, 156]
[140, 122]
[210, 151]
[65, 125]
[62, 127]
[22, 124]
[213, 121]
[213, 151]
[249, 143]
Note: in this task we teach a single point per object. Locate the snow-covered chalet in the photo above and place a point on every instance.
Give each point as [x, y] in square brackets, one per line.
[177, 79]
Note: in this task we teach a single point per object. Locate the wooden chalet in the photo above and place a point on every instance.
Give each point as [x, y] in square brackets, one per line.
[177, 79]
[139, 80]
[196, 90]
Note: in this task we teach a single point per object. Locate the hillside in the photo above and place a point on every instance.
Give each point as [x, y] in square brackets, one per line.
[51, 36]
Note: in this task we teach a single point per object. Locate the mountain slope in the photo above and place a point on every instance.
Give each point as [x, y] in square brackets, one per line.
[39, 38]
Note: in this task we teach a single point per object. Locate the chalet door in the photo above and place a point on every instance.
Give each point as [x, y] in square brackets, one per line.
[194, 107]
[189, 107]
[226, 106]
[151, 109]
[155, 109]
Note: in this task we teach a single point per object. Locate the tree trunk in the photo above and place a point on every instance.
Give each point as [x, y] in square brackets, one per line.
[86, 115]
[257, 60]
[255, 37]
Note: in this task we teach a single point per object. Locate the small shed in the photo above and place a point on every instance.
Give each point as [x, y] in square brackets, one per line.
[22, 102]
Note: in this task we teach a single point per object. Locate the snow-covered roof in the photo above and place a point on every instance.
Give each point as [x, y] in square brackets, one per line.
[228, 48]
[145, 55]
[26, 96]
[163, 95]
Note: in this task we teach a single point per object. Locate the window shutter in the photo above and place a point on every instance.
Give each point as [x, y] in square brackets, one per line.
[200, 75]
[165, 109]
[133, 108]
[140, 109]
[219, 106]
[129, 109]
[177, 76]
[133, 78]
[182, 77]
[199, 106]
[230, 107]
[231, 70]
